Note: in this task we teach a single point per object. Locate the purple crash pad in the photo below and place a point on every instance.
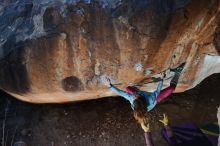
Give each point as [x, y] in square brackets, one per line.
[187, 135]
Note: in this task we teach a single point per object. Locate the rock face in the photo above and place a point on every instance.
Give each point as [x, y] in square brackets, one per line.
[61, 51]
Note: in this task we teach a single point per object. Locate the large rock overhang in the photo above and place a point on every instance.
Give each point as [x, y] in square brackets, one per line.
[61, 52]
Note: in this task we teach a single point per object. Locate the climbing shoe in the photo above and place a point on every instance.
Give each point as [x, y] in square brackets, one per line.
[179, 68]
[177, 71]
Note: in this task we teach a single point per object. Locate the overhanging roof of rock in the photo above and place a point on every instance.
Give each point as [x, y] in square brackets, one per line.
[60, 51]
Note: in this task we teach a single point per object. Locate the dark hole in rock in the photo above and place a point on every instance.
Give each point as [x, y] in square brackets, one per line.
[72, 84]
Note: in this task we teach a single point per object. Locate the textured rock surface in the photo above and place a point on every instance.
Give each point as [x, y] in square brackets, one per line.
[60, 51]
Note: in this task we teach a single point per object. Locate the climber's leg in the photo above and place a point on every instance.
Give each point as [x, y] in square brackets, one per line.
[169, 90]
[165, 93]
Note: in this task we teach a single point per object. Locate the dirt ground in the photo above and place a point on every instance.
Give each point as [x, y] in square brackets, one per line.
[103, 122]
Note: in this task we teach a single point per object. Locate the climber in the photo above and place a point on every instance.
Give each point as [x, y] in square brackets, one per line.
[142, 101]
[137, 98]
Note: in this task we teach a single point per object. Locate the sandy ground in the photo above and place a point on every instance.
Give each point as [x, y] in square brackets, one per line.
[103, 122]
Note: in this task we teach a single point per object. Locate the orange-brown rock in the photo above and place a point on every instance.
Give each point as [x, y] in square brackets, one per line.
[129, 43]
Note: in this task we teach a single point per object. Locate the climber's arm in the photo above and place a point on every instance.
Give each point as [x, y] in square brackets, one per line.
[159, 87]
[122, 93]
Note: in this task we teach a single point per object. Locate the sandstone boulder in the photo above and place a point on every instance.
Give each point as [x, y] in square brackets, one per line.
[61, 51]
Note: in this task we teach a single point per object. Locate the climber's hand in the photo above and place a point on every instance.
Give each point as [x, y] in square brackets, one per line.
[165, 120]
[109, 82]
[145, 127]
[163, 75]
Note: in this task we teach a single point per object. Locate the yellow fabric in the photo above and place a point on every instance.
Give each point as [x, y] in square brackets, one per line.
[165, 120]
[145, 127]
